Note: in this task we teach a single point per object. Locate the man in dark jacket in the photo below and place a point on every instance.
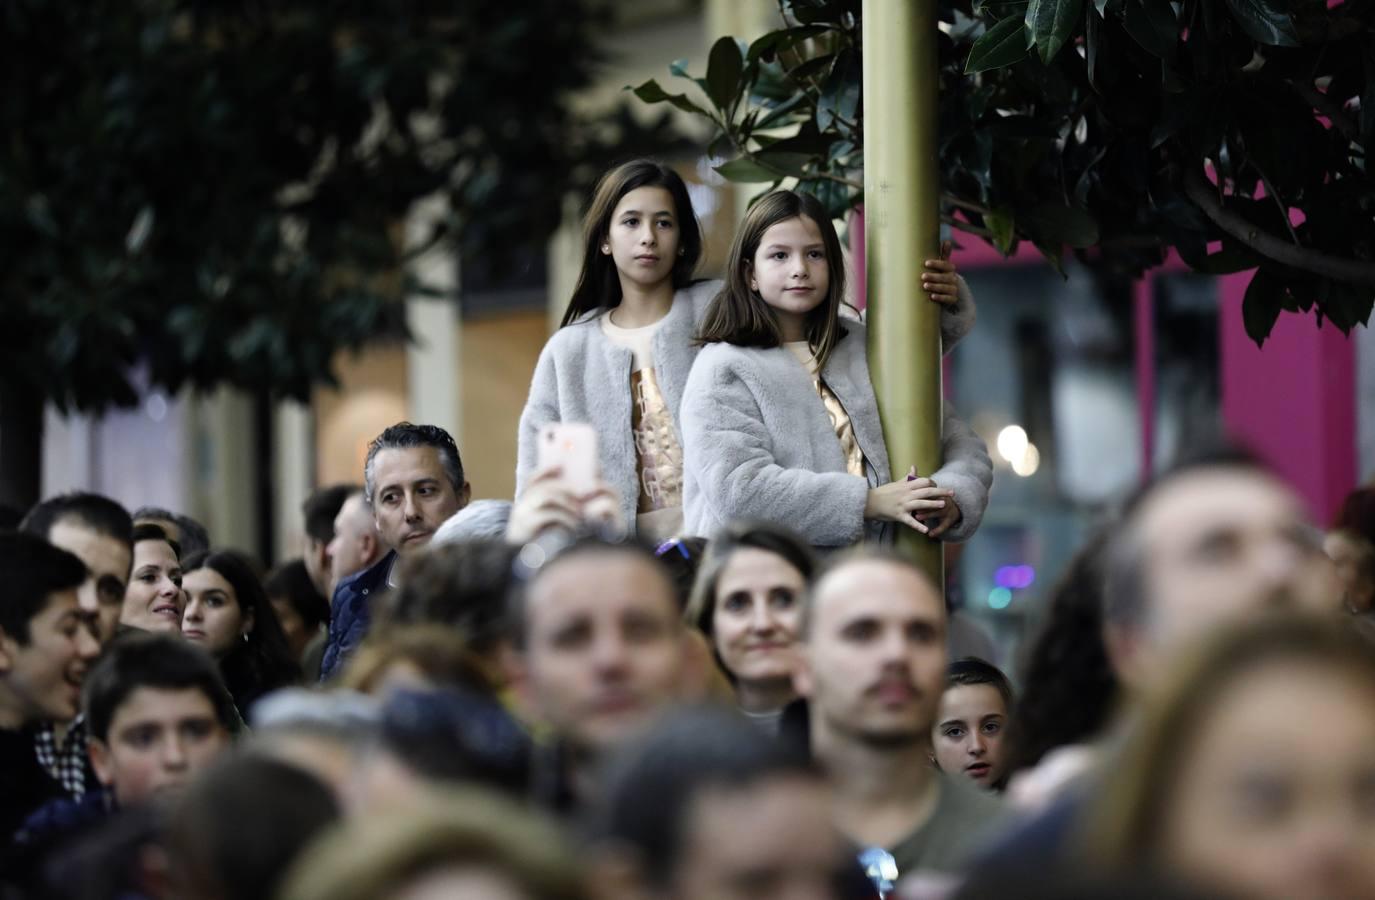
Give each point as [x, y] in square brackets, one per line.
[413, 481]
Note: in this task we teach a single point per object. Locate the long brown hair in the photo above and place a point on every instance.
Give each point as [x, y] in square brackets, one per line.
[598, 284]
[740, 316]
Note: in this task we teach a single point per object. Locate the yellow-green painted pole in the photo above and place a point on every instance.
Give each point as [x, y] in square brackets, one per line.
[902, 230]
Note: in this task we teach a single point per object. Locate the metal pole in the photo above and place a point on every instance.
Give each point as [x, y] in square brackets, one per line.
[902, 230]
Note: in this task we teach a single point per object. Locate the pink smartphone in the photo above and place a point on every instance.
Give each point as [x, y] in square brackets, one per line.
[572, 446]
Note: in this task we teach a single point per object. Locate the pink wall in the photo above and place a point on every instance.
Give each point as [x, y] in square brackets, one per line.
[1293, 401]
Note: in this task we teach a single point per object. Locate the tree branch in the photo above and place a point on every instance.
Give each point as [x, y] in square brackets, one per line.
[965, 204]
[1338, 268]
[827, 176]
[962, 225]
[1279, 201]
[1324, 105]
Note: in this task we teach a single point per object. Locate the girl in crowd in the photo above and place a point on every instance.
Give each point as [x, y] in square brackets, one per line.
[1252, 769]
[228, 613]
[302, 613]
[153, 601]
[621, 359]
[779, 417]
[622, 355]
[974, 711]
[748, 602]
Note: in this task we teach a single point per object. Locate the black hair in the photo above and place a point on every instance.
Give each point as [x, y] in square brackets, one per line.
[971, 670]
[406, 434]
[682, 557]
[239, 826]
[135, 659]
[463, 585]
[194, 537]
[94, 511]
[458, 734]
[262, 662]
[1068, 684]
[649, 787]
[34, 571]
[292, 582]
[147, 531]
[320, 508]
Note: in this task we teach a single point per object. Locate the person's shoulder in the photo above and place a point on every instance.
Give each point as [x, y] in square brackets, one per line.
[961, 798]
[367, 578]
[721, 359]
[702, 292]
[575, 336]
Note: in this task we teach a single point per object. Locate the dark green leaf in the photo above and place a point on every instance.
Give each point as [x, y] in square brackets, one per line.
[1262, 305]
[724, 66]
[1061, 225]
[651, 92]
[1229, 260]
[778, 113]
[1266, 21]
[770, 44]
[840, 95]
[1093, 24]
[746, 171]
[1004, 230]
[1152, 24]
[1050, 23]
[781, 162]
[1001, 45]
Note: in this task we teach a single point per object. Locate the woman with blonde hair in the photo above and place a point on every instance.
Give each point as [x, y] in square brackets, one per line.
[1253, 770]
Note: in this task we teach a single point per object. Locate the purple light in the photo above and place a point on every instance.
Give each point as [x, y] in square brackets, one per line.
[1014, 578]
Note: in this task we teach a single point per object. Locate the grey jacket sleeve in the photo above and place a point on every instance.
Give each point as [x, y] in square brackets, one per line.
[965, 469]
[958, 320]
[541, 407]
[738, 476]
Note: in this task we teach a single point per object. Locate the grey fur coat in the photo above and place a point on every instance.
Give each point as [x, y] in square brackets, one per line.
[583, 377]
[758, 443]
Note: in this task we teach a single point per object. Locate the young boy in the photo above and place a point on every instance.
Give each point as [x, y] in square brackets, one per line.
[46, 644]
[158, 713]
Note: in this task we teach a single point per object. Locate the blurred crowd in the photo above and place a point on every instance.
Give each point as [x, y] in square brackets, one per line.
[445, 698]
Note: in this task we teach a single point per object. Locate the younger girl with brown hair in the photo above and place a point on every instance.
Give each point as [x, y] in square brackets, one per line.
[779, 417]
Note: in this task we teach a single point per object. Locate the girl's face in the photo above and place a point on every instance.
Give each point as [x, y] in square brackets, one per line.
[213, 617]
[153, 601]
[790, 271]
[643, 236]
[968, 737]
[1275, 794]
[755, 620]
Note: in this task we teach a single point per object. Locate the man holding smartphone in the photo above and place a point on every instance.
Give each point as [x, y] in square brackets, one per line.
[412, 481]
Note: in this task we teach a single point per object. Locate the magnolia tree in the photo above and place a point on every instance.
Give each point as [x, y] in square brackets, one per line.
[214, 193]
[1231, 131]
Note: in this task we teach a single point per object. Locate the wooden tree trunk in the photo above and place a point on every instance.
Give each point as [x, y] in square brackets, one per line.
[21, 447]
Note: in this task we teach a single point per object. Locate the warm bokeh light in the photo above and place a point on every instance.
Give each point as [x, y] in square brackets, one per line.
[1029, 461]
[1012, 443]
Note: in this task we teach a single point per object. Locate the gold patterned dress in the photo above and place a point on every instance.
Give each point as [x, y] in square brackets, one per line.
[659, 463]
[840, 419]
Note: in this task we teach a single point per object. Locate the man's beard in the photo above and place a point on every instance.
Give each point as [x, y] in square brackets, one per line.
[884, 739]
